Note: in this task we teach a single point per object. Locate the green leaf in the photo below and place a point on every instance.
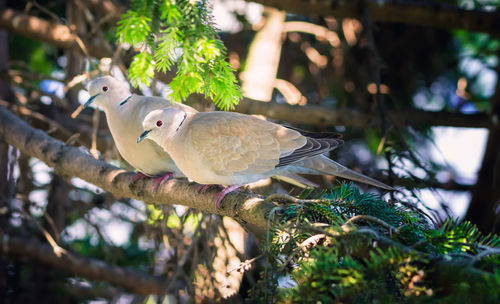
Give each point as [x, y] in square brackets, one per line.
[187, 39]
[165, 55]
[133, 28]
[141, 69]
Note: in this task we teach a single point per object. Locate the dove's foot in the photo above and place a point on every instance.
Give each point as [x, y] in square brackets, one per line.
[223, 193]
[138, 176]
[162, 179]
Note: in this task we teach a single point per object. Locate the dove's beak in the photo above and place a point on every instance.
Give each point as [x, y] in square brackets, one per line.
[143, 135]
[91, 99]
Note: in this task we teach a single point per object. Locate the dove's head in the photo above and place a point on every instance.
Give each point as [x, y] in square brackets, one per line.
[161, 125]
[107, 91]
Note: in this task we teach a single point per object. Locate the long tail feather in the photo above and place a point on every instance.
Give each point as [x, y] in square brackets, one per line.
[324, 165]
[358, 177]
[296, 180]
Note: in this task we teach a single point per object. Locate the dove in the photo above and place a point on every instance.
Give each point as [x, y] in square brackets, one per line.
[233, 149]
[125, 113]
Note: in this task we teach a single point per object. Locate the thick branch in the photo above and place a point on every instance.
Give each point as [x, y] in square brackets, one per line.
[132, 280]
[433, 15]
[50, 32]
[71, 161]
[320, 116]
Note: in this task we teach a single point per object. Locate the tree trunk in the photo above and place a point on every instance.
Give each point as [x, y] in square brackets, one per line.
[484, 205]
[75, 62]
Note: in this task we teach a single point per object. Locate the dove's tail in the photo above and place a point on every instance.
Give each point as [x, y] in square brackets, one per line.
[296, 180]
[324, 165]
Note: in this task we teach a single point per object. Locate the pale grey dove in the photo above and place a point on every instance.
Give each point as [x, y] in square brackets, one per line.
[234, 149]
[124, 113]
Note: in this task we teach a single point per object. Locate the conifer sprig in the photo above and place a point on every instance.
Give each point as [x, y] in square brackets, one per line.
[181, 33]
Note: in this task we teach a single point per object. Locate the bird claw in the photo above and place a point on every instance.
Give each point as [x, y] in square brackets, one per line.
[161, 180]
[223, 194]
[139, 175]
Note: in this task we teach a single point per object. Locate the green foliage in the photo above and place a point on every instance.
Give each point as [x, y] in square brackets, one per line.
[37, 55]
[181, 33]
[141, 69]
[357, 248]
[133, 28]
[128, 255]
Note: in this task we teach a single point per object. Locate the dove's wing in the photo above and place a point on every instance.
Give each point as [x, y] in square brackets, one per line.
[234, 143]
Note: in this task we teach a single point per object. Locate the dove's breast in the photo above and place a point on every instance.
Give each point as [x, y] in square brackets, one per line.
[146, 156]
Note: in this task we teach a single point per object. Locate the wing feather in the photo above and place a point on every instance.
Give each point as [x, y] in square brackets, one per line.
[234, 143]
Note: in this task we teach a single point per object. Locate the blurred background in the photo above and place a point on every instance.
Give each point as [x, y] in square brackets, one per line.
[411, 85]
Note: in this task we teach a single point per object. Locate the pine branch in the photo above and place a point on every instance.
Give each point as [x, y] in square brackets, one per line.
[179, 33]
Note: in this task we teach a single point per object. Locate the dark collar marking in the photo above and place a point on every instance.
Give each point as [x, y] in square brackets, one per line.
[125, 101]
[185, 115]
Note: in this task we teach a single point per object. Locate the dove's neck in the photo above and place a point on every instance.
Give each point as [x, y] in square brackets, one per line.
[117, 101]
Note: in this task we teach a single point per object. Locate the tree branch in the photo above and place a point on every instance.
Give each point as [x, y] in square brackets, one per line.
[433, 15]
[50, 32]
[132, 280]
[70, 161]
[323, 117]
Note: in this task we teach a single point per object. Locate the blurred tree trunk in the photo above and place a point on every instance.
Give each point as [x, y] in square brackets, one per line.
[263, 58]
[485, 202]
[6, 268]
[56, 205]
[5, 94]
[75, 61]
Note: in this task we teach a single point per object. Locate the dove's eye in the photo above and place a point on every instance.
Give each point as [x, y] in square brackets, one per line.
[159, 123]
[105, 88]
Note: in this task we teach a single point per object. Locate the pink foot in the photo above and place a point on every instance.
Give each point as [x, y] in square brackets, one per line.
[138, 176]
[223, 193]
[162, 179]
